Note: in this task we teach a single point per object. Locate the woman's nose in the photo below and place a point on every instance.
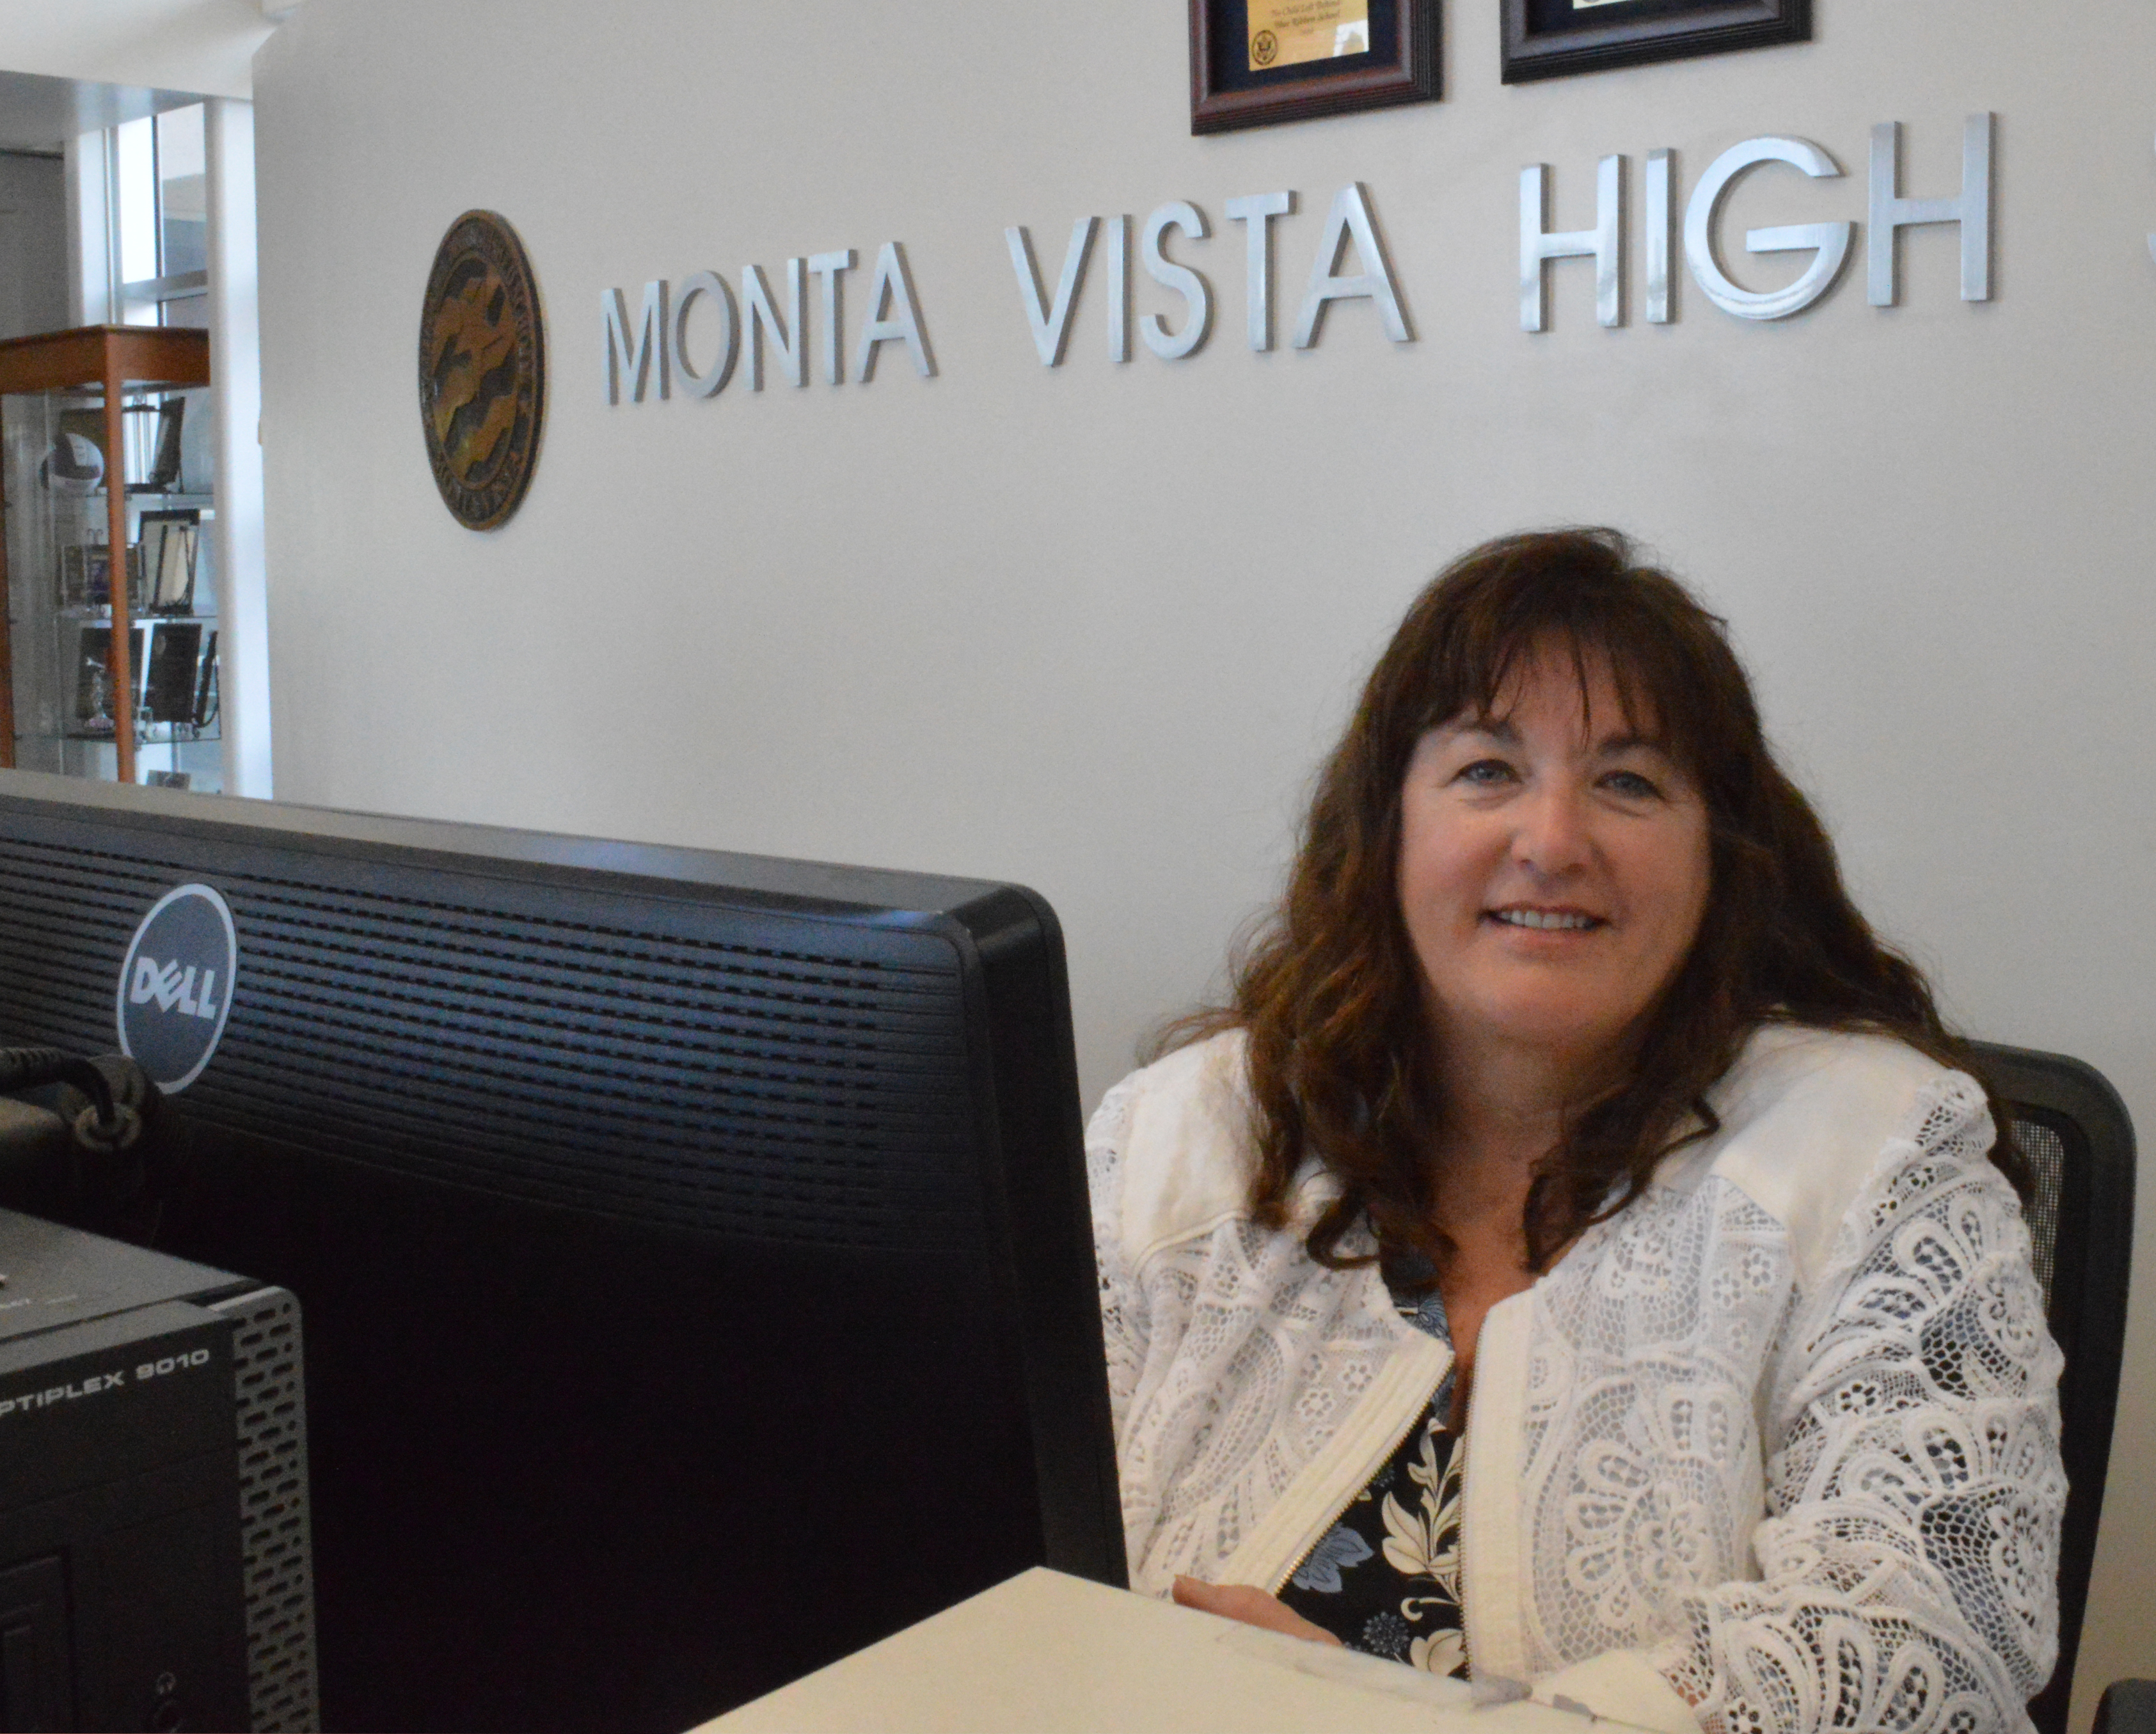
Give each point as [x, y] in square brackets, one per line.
[1551, 838]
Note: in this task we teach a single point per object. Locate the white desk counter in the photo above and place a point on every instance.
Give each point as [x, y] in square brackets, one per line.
[1046, 1654]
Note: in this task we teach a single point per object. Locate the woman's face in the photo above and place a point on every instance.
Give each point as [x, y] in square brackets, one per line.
[1553, 870]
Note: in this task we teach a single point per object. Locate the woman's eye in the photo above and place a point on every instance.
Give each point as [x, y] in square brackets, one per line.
[1485, 772]
[1633, 786]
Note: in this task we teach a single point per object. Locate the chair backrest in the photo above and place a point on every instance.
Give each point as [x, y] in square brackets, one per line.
[2071, 1125]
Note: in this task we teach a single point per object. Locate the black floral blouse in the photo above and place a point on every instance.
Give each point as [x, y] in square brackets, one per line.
[1385, 1579]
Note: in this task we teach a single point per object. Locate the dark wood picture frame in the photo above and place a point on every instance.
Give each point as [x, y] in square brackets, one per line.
[1632, 33]
[168, 690]
[1404, 65]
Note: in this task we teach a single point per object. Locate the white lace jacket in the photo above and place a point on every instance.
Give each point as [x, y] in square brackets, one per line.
[1784, 1433]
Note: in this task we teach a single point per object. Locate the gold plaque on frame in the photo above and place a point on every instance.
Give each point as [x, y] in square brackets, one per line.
[1288, 33]
[482, 370]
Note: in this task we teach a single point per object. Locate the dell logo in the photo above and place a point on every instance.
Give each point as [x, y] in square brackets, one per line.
[175, 985]
[171, 987]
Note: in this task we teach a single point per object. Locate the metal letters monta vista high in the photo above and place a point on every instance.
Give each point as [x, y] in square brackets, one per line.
[482, 370]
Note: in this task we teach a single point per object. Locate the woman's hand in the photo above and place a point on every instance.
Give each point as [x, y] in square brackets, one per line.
[1251, 1605]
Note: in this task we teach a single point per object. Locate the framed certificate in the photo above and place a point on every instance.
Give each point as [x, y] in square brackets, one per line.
[1254, 62]
[169, 541]
[1550, 38]
[168, 692]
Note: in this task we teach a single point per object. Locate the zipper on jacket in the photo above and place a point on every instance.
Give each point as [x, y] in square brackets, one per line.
[1469, 1530]
[1466, 1468]
[1466, 1512]
[1329, 1482]
[1398, 1440]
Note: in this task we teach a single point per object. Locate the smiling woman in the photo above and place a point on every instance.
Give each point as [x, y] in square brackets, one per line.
[1569, 1121]
[1554, 869]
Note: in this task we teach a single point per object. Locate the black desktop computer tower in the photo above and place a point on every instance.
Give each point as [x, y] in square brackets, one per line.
[154, 1567]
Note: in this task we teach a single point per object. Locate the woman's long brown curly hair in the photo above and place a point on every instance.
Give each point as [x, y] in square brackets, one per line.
[1341, 1064]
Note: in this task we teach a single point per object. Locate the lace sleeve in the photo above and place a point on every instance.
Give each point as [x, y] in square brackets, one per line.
[1914, 1485]
[1123, 1306]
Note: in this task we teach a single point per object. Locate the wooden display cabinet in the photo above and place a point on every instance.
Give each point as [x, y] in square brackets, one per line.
[51, 491]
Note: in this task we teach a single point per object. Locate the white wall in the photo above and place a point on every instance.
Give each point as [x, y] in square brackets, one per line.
[33, 244]
[1089, 627]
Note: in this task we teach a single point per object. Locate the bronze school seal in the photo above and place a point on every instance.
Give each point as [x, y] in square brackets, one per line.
[482, 370]
[1264, 46]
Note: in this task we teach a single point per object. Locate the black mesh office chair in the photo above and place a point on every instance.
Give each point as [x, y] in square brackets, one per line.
[2071, 1126]
[2127, 1706]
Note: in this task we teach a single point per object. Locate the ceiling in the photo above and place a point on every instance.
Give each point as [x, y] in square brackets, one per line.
[152, 51]
[38, 113]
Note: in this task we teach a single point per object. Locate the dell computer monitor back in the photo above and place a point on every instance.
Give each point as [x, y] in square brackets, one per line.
[692, 1247]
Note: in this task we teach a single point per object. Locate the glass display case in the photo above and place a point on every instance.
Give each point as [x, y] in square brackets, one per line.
[108, 666]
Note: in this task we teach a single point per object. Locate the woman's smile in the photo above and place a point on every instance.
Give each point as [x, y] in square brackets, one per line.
[1546, 921]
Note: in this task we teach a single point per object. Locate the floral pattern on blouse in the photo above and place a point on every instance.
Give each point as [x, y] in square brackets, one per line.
[1385, 1579]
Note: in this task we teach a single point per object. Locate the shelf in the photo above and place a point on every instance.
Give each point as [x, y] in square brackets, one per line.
[206, 502]
[135, 616]
[157, 735]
